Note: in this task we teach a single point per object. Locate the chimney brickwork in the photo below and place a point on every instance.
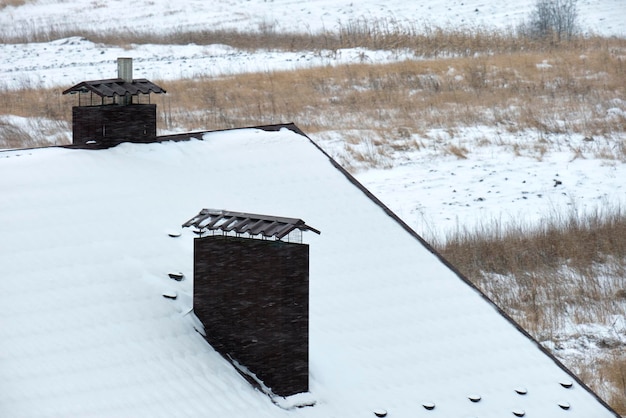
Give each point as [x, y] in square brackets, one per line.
[253, 298]
[110, 125]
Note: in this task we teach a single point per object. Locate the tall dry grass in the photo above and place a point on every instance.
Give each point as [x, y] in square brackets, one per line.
[613, 376]
[13, 3]
[609, 377]
[423, 38]
[570, 271]
[582, 241]
[458, 78]
[49, 118]
[394, 106]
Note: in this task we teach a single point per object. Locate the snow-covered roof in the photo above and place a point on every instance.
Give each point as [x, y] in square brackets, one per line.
[86, 245]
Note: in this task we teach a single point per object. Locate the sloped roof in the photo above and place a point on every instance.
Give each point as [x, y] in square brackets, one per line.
[85, 251]
[246, 223]
[116, 87]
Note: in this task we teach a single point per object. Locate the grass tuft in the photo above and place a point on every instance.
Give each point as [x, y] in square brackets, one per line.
[11, 3]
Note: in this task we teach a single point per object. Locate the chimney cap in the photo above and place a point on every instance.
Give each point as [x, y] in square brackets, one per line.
[241, 223]
[116, 87]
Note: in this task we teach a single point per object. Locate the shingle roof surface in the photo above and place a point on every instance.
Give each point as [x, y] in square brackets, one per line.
[85, 329]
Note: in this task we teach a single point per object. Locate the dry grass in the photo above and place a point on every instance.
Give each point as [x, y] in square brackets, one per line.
[607, 376]
[514, 249]
[613, 372]
[12, 3]
[571, 271]
[471, 78]
[33, 133]
[423, 39]
[546, 93]
[16, 137]
[559, 92]
[48, 113]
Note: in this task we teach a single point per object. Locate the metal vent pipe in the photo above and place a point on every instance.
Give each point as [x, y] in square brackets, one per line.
[125, 69]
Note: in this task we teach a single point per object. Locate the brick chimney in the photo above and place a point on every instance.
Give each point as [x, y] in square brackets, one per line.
[114, 110]
[252, 295]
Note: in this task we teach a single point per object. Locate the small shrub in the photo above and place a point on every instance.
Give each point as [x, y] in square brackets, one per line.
[554, 20]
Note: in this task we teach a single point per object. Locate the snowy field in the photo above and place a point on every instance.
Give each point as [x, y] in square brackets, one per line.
[437, 194]
[63, 61]
[434, 193]
[601, 16]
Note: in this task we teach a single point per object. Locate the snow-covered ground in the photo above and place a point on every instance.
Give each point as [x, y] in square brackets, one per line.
[602, 16]
[437, 194]
[63, 61]
[433, 192]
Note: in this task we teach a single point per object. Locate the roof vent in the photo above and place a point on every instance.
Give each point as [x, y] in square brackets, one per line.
[428, 405]
[176, 275]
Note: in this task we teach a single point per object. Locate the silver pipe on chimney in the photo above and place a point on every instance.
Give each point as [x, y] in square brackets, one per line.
[125, 69]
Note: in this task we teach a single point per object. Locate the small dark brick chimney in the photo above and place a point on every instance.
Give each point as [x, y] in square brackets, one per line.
[114, 110]
[252, 295]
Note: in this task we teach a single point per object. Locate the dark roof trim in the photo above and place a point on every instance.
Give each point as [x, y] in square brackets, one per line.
[116, 87]
[250, 223]
[187, 136]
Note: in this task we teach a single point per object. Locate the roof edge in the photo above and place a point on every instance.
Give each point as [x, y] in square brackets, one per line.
[441, 258]
[186, 136]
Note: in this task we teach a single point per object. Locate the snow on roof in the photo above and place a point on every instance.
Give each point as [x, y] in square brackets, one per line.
[85, 251]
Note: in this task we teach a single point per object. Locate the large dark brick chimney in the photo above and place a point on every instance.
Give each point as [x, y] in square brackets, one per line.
[252, 295]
